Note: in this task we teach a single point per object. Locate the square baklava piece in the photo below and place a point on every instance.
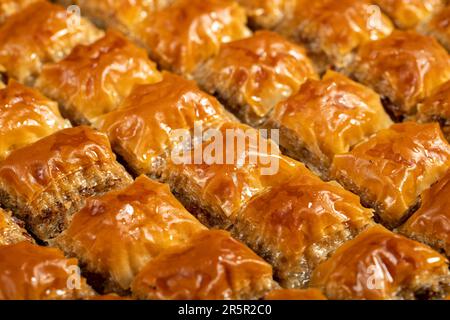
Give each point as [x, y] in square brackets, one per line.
[38, 34]
[45, 183]
[327, 117]
[213, 266]
[252, 75]
[391, 169]
[95, 79]
[382, 265]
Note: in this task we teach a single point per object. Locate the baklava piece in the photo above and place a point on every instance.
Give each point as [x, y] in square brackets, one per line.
[295, 294]
[267, 14]
[213, 266]
[403, 68]
[10, 7]
[142, 129]
[298, 224]
[40, 33]
[25, 117]
[11, 230]
[391, 169]
[95, 79]
[188, 32]
[332, 30]
[431, 223]
[408, 14]
[45, 183]
[252, 75]
[31, 272]
[379, 264]
[327, 117]
[436, 108]
[116, 234]
[219, 175]
[439, 27]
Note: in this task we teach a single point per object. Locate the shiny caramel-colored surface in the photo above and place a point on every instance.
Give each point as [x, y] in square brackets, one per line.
[331, 115]
[267, 14]
[405, 67]
[116, 234]
[391, 169]
[335, 28]
[213, 266]
[38, 34]
[439, 26]
[379, 264]
[256, 73]
[10, 7]
[409, 13]
[25, 117]
[31, 272]
[10, 231]
[29, 171]
[141, 129]
[295, 294]
[235, 165]
[94, 80]
[189, 32]
[431, 223]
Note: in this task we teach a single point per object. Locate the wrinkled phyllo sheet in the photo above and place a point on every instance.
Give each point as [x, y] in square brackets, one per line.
[252, 75]
[94, 80]
[332, 30]
[237, 164]
[142, 129]
[295, 294]
[439, 26]
[431, 222]
[436, 108]
[10, 7]
[403, 68]
[390, 170]
[267, 14]
[212, 266]
[40, 33]
[379, 264]
[45, 183]
[327, 117]
[25, 117]
[11, 230]
[408, 14]
[116, 234]
[188, 32]
[297, 224]
[31, 272]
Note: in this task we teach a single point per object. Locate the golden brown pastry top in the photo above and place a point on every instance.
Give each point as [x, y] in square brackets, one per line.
[31, 272]
[378, 264]
[214, 266]
[332, 115]
[189, 32]
[40, 33]
[10, 7]
[117, 233]
[439, 26]
[30, 170]
[235, 165]
[409, 13]
[295, 294]
[431, 223]
[258, 71]
[395, 165]
[267, 14]
[25, 117]
[142, 127]
[405, 67]
[10, 231]
[336, 28]
[294, 216]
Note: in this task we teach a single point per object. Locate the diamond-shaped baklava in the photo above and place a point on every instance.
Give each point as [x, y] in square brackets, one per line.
[48, 181]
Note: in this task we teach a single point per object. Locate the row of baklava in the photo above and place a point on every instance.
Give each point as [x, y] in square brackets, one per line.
[293, 219]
